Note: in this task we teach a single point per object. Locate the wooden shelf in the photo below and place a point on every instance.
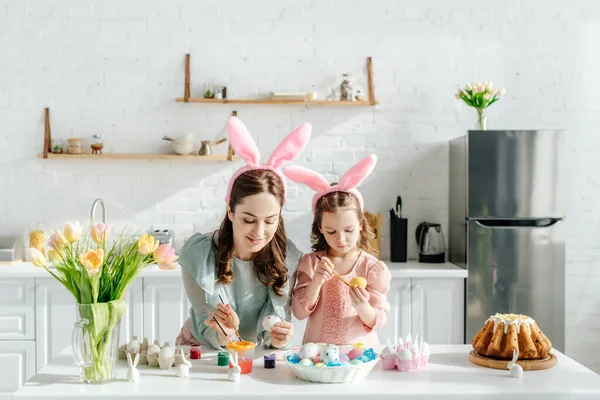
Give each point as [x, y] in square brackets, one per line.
[290, 102]
[371, 101]
[47, 152]
[136, 156]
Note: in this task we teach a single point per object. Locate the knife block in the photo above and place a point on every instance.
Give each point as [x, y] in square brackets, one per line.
[398, 239]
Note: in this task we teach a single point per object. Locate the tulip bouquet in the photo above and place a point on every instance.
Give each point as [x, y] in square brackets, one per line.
[97, 275]
[480, 96]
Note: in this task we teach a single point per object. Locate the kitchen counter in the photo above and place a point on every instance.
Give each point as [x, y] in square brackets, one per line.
[410, 269]
[449, 374]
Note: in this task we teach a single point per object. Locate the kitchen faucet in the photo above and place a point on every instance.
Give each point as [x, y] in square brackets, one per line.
[101, 202]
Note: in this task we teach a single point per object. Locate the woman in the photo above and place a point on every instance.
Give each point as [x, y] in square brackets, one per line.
[245, 271]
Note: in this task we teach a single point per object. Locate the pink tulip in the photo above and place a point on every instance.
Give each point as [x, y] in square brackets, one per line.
[58, 240]
[100, 233]
[36, 257]
[165, 257]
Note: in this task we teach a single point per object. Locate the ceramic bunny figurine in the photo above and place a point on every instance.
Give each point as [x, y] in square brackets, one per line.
[133, 375]
[183, 369]
[233, 374]
[514, 369]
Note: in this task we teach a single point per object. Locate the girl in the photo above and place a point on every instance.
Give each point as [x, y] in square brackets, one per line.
[245, 271]
[337, 313]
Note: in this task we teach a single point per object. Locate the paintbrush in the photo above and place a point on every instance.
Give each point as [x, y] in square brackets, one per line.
[222, 330]
[336, 274]
[236, 331]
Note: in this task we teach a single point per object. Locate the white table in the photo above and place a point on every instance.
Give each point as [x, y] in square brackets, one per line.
[449, 374]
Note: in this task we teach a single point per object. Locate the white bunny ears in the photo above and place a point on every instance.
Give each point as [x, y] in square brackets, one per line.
[348, 183]
[244, 146]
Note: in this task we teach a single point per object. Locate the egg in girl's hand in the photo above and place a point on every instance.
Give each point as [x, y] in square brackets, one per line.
[330, 353]
[358, 281]
[269, 321]
[308, 350]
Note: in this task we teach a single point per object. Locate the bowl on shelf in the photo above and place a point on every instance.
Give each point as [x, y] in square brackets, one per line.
[183, 145]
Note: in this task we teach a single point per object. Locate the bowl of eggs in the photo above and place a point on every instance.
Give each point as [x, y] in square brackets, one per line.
[328, 363]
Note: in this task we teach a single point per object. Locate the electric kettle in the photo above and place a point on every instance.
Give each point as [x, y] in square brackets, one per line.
[432, 246]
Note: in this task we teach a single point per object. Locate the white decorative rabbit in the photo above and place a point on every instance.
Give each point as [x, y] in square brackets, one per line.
[514, 369]
[133, 375]
[183, 369]
[233, 374]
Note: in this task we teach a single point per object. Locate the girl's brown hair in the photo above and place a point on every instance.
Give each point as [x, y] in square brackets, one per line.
[269, 262]
[332, 202]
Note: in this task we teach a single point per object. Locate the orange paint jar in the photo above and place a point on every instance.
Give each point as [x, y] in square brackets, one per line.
[245, 353]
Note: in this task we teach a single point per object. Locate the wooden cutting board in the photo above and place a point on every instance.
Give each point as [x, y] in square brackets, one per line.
[527, 365]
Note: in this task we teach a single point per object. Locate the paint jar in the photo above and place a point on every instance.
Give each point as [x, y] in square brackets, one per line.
[245, 353]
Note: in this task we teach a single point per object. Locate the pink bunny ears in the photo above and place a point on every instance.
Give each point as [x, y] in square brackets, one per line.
[244, 146]
[348, 183]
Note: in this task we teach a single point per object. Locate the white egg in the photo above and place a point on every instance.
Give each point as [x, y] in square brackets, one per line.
[387, 351]
[308, 350]
[425, 349]
[269, 321]
[405, 355]
[133, 346]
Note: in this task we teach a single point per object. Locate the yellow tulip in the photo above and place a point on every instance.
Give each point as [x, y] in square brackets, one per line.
[92, 260]
[72, 231]
[36, 257]
[147, 244]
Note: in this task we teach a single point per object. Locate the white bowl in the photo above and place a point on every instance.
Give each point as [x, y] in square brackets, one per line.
[183, 145]
[344, 374]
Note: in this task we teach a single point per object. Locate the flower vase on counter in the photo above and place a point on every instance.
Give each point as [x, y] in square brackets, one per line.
[97, 270]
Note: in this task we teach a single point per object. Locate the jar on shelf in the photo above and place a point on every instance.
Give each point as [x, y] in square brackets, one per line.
[97, 144]
[346, 90]
[75, 146]
[58, 146]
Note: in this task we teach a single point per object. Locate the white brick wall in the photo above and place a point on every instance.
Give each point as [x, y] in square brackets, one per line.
[115, 67]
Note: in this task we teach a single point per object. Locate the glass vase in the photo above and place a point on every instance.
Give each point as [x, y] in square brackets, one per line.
[481, 124]
[95, 341]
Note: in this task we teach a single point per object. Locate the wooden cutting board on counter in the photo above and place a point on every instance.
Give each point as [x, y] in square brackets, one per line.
[527, 365]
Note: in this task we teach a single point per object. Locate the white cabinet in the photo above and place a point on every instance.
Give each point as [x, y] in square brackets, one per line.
[55, 314]
[432, 307]
[17, 359]
[438, 311]
[166, 307]
[399, 317]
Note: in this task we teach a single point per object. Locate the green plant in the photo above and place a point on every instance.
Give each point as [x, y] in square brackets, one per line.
[480, 96]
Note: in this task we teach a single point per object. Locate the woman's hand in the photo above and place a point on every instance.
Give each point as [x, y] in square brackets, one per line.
[281, 334]
[228, 319]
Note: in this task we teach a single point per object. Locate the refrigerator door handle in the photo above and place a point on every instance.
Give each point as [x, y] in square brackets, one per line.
[517, 223]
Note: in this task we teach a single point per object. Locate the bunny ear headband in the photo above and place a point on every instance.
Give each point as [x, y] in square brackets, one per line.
[244, 146]
[348, 183]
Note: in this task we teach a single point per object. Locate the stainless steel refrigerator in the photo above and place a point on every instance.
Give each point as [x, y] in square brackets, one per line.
[507, 226]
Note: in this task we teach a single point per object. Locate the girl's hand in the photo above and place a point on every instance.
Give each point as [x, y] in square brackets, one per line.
[323, 272]
[281, 334]
[359, 296]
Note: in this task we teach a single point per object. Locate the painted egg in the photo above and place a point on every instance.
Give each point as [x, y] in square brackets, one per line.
[319, 365]
[355, 353]
[306, 362]
[355, 362]
[330, 353]
[358, 281]
[308, 350]
[317, 358]
[269, 321]
[344, 358]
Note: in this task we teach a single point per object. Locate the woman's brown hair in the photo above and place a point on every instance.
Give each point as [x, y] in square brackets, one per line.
[332, 202]
[269, 262]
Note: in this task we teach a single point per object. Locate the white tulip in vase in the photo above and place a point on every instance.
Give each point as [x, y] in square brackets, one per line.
[480, 96]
